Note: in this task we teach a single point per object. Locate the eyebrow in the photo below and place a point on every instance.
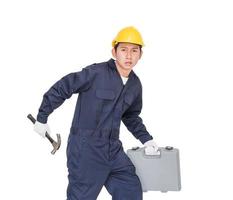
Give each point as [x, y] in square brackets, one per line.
[132, 47]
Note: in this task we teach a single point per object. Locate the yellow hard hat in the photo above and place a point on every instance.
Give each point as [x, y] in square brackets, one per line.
[130, 35]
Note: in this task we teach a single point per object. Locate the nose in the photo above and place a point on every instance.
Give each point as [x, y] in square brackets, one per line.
[128, 55]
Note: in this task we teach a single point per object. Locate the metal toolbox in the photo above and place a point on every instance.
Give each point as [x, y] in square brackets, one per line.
[157, 172]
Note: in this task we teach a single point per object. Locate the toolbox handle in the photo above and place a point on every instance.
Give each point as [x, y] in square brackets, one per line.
[158, 155]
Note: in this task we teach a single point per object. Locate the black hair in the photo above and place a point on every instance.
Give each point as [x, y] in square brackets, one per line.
[115, 47]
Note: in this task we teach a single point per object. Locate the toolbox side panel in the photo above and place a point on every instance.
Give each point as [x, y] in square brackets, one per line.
[157, 173]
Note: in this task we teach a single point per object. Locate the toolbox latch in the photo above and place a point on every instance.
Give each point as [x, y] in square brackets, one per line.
[169, 148]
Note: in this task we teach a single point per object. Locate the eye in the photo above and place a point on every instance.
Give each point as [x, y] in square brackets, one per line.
[123, 49]
[135, 50]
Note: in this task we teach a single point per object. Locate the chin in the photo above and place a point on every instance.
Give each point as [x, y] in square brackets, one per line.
[128, 68]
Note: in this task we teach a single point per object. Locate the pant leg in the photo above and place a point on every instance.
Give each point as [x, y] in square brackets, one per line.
[87, 170]
[123, 183]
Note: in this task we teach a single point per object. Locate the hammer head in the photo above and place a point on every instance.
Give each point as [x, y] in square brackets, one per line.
[56, 145]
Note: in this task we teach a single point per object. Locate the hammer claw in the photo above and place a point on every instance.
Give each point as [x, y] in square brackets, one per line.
[56, 145]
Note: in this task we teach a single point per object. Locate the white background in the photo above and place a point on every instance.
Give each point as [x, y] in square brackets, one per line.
[186, 72]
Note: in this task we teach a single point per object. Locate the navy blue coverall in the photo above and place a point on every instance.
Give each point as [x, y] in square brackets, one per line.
[95, 156]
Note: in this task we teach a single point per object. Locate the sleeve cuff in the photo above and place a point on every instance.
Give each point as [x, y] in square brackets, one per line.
[42, 119]
[145, 138]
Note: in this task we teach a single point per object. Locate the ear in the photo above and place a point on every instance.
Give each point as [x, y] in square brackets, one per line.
[114, 52]
[141, 54]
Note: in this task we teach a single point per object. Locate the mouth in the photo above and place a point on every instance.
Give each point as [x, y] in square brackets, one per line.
[128, 63]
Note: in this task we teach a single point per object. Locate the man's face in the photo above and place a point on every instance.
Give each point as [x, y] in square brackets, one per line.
[127, 55]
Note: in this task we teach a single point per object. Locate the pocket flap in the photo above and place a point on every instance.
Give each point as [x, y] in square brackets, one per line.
[105, 94]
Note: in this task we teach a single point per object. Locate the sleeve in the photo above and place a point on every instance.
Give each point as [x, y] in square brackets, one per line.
[63, 89]
[134, 123]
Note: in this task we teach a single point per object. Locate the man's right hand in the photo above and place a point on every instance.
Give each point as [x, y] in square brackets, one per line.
[41, 129]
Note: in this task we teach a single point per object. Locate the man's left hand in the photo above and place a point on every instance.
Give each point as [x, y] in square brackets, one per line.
[151, 148]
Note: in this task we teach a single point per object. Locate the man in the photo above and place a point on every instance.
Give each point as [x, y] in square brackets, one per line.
[108, 93]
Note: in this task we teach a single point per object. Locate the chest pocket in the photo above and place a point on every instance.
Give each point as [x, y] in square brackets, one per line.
[107, 96]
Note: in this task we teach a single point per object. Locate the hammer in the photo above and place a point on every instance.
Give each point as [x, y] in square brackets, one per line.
[56, 145]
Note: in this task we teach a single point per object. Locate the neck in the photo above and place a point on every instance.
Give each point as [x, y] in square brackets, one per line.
[123, 72]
